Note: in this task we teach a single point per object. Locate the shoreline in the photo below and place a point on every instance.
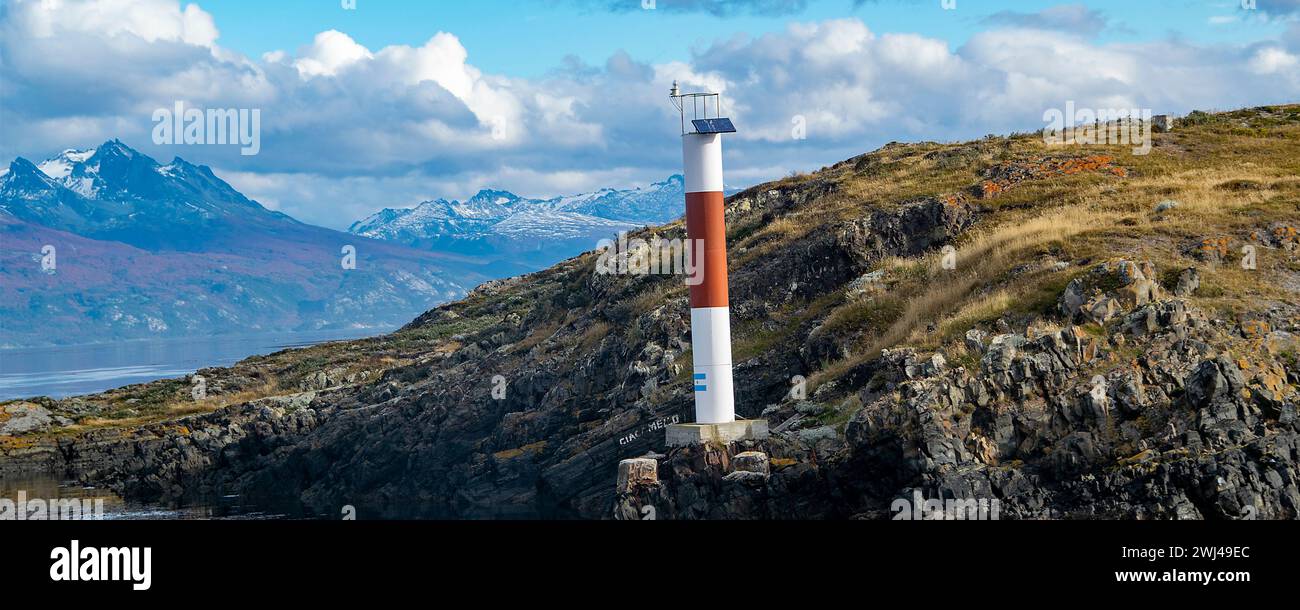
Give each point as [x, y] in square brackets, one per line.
[141, 361]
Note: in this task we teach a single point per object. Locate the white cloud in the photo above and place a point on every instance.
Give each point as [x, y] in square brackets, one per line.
[1074, 18]
[348, 129]
[831, 41]
[330, 51]
[150, 20]
[1273, 60]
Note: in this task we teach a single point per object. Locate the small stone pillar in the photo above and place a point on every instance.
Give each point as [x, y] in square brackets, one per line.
[636, 472]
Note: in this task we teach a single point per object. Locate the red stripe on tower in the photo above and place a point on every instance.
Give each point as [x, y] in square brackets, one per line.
[706, 222]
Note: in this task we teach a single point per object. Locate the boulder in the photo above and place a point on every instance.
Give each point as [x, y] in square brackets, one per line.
[1188, 281]
[1108, 290]
[637, 472]
[747, 478]
[868, 283]
[24, 417]
[751, 461]
[1214, 382]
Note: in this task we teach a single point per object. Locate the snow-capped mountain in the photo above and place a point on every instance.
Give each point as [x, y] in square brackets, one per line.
[659, 203]
[145, 249]
[439, 217]
[114, 192]
[558, 224]
[527, 233]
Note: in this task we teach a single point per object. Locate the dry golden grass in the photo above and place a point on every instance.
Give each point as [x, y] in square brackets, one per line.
[980, 261]
[1199, 193]
[771, 236]
[656, 295]
[982, 308]
[592, 336]
[179, 409]
[535, 338]
[945, 294]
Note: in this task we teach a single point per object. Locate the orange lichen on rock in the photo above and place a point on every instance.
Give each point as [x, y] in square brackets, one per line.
[1286, 236]
[991, 189]
[1214, 248]
[1004, 176]
[1255, 328]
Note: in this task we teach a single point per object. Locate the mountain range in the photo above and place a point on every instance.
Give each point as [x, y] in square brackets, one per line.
[108, 244]
[526, 234]
[142, 249]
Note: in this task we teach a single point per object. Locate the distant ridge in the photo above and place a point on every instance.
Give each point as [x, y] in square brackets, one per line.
[528, 233]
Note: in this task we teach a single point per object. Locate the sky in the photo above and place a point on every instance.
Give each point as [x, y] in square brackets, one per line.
[384, 103]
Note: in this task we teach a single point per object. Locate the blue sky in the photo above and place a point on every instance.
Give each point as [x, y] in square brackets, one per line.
[526, 38]
[530, 38]
[398, 102]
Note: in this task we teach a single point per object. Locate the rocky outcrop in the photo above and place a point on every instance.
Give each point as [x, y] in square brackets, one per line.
[190, 459]
[25, 417]
[823, 261]
[1067, 426]
[735, 481]
[1005, 176]
[1109, 289]
[913, 228]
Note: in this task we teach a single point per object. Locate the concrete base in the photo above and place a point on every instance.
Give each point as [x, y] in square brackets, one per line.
[683, 435]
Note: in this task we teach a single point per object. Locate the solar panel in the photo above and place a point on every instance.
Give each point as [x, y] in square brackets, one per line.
[722, 125]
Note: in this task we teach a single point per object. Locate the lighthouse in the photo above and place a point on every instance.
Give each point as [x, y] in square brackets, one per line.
[715, 402]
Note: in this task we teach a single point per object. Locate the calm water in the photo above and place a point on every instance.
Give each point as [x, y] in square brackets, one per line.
[82, 369]
[47, 490]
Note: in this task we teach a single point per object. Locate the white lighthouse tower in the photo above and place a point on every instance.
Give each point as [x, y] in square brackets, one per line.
[715, 402]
